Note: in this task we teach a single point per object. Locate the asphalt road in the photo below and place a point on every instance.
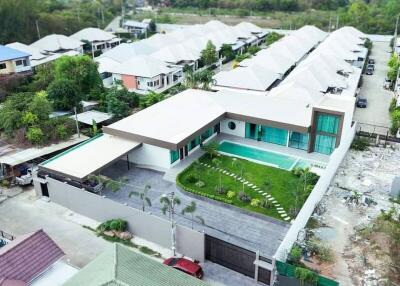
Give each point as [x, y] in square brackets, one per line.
[377, 112]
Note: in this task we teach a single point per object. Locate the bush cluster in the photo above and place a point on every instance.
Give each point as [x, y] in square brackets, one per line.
[113, 225]
[210, 196]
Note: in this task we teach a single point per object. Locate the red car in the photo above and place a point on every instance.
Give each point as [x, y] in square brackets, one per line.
[185, 265]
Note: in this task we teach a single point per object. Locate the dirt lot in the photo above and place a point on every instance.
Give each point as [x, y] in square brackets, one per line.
[366, 176]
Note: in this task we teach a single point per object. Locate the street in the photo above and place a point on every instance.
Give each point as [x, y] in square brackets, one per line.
[377, 111]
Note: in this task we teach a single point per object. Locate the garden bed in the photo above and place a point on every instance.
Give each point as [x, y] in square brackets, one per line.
[258, 188]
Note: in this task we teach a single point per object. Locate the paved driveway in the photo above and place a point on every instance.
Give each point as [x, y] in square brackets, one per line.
[25, 213]
[231, 225]
[377, 112]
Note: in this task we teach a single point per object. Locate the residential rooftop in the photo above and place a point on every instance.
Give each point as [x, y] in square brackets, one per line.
[8, 53]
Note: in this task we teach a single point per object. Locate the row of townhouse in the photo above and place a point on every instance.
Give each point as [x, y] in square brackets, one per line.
[23, 58]
[168, 54]
[310, 114]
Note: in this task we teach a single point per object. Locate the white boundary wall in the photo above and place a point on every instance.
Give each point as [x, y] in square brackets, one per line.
[316, 195]
[142, 224]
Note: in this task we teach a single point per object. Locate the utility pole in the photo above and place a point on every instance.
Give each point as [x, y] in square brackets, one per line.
[37, 29]
[171, 196]
[330, 22]
[76, 123]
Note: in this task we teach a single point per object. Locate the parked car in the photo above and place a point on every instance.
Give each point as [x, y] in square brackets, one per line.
[387, 83]
[371, 66]
[371, 61]
[362, 102]
[369, 71]
[185, 265]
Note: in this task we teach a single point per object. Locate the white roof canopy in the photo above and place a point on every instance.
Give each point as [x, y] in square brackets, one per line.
[89, 157]
[54, 43]
[93, 35]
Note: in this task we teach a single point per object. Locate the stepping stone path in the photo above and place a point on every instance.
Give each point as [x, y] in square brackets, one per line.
[270, 198]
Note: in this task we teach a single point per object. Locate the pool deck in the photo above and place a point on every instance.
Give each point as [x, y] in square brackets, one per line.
[170, 175]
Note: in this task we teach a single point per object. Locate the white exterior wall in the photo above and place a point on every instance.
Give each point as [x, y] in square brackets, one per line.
[238, 131]
[150, 155]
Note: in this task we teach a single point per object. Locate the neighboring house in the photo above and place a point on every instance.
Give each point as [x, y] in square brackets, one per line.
[33, 259]
[58, 44]
[98, 39]
[120, 265]
[37, 57]
[144, 73]
[136, 28]
[13, 61]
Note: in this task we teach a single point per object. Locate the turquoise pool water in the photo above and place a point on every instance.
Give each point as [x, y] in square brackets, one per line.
[270, 158]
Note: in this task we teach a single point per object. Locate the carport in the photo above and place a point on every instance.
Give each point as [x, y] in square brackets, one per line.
[89, 157]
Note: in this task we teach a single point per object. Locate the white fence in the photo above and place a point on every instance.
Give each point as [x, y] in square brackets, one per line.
[316, 195]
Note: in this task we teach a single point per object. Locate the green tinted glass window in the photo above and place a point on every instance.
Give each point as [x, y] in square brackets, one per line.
[328, 123]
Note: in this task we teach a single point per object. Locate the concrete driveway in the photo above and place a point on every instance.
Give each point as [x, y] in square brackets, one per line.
[25, 213]
[377, 112]
[253, 233]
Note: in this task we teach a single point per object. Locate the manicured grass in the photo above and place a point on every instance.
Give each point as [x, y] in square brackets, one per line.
[276, 182]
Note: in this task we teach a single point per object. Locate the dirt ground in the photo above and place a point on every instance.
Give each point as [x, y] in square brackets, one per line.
[359, 261]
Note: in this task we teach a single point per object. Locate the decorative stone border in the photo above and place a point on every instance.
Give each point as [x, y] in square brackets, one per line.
[270, 198]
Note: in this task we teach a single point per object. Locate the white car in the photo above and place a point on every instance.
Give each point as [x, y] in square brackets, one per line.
[25, 180]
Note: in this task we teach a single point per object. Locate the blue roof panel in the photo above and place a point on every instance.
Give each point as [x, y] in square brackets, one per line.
[7, 53]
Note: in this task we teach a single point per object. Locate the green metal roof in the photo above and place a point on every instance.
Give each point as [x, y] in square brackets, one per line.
[121, 266]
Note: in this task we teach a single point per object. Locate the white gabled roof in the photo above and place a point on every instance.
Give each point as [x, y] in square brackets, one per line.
[272, 59]
[249, 27]
[54, 43]
[93, 35]
[333, 61]
[353, 31]
[143, 66]
[34, 52]
[255, 77]
[124, 51]
[176, 53]
[298, 92]
[105, 64]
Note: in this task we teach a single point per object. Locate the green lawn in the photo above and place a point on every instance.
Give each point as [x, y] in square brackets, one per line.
[279, 183]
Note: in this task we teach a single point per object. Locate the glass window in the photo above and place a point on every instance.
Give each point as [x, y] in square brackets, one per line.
[324, 144]
[328, 123]
[274, 135]
[194, 143]
[207, 134]
[3, 66]
[298, 140]
[174, 155]
[232, 125]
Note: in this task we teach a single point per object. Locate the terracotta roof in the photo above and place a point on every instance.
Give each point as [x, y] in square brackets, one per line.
[28, 256]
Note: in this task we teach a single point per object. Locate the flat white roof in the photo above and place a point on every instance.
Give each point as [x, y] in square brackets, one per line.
[89, 156]
[22, 156]
[55, 275]
[89, 116]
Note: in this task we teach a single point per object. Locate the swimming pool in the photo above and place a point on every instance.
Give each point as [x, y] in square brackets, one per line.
[273, 159]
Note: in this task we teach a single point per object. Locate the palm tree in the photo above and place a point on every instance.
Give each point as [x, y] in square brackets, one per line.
[142, 196]
[238, 164]
[218, 163]
[211, 149]
[191, 79]
[168, 205]
[205, 77]
[191, 209]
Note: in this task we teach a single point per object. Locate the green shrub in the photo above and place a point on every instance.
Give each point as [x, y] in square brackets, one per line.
[61, 132]
[253, 50]
[4, 183]
[295, 254]
[35, 135]
[242, 57]
[191, 179]
[255, 203]
[244, 197]
[359, 144]
[305, 275]
[113, 224]
[221, 190]
[231, 194]
[267, 204]
[393, 105]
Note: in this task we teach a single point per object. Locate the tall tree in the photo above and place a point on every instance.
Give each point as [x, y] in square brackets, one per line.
[144, 199]
[209, 54]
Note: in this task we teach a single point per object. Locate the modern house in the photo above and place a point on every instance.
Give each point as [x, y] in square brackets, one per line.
[59, 44]
[14, 61]
[136, 28]
[119, 265]
[143, 74]
[97, 39]
[33, 259]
